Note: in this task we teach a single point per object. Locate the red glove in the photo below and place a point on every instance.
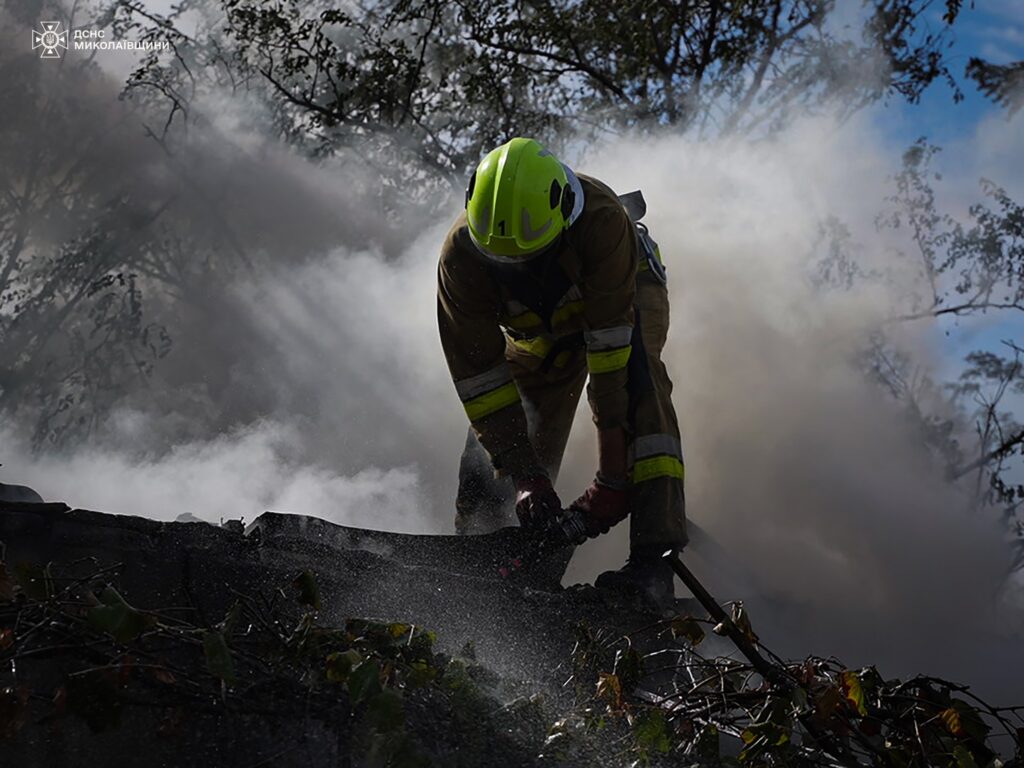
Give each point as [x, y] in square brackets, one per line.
[602, 507]
[536, 501]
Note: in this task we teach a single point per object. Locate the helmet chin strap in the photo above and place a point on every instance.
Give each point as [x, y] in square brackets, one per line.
[530, 263]
[577, 189]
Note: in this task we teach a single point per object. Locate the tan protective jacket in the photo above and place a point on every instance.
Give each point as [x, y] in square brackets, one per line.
[486, 329]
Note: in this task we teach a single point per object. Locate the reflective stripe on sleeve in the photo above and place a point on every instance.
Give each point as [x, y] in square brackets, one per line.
[608, 349]
[493, 401]
[657, 466]
[659, 455]
[654, 445]
[487, 392]
[608, 338]
[606, 362]
[474, 386]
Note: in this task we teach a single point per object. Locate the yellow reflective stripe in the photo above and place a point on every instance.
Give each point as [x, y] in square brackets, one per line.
[528, 319]
[606, 362]
[482, 383]
[566, 311]
[538, 346]
[493, 401]
[524, 320]
[657, 466]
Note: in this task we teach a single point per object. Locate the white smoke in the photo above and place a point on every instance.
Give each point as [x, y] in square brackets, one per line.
[234, 476]
[814, 481]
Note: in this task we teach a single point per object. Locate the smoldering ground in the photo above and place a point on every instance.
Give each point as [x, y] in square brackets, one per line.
[312, 381]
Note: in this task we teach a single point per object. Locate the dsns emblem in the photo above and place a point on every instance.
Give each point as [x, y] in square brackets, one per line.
[51, 39]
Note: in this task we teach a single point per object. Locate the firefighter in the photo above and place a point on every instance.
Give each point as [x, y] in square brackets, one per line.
[547, 284]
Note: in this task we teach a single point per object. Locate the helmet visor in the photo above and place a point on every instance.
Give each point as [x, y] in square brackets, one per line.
[519, 258]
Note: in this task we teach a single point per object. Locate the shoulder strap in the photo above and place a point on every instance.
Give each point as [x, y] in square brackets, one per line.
[634, 204]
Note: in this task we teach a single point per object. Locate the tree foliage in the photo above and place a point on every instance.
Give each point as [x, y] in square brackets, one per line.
[966, 269]
[1003, 84]
[73, 334]
[436, 83]
[672, 702]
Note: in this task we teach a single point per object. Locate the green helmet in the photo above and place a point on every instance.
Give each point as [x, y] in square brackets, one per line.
[518, 202]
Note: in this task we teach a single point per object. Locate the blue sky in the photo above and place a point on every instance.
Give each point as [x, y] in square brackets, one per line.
[977, 140]
[991, 30]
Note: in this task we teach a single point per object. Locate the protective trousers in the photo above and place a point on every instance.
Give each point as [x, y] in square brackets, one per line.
[657, 501]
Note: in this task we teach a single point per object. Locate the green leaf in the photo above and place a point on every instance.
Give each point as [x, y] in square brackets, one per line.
[651, 731]
[117, 618]
[420, 674]
[399, 630]
[898, 756]
[963, 757]
[35, 581]
[309, 592]
[707, 746]
[870, 680]
[951, 719]
[741, 619]
[970, 723]
[628, 667]
[420, 645]
[689, 628]
[375, 634]
[853, 692]
[340, 663]
[218, 657]
[827, 702]
[364, 681]
[456, 675]
[772, 729]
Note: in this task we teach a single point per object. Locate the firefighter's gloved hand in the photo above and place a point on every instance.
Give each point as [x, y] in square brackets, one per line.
[536, 501]
[602, 505]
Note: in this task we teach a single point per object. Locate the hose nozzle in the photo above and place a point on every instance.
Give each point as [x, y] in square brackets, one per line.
[568, 526]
